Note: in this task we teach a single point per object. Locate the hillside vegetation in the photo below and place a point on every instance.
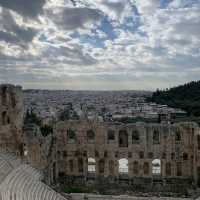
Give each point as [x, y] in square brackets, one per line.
[186, 97]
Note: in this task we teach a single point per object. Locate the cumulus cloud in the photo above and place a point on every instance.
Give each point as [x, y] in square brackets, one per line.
[11, 32]
[147, 7]
[124, 44]
[27, 8]
[74, 18]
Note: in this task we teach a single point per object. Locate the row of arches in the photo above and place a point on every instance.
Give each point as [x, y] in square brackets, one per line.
[123, 139]
[153, 168]
[123, 166]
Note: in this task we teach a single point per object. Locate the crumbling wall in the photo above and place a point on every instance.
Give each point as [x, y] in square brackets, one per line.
[143, 146]
[11, 119]
[36, 146]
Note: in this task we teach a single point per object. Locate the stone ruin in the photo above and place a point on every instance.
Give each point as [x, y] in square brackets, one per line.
[18, 179]
[151, 157]
[113, 157]
[11, 119]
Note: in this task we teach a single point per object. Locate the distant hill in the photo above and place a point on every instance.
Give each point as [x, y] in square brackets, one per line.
[186, 97]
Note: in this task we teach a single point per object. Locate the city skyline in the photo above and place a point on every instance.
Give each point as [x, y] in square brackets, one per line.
[99, 44]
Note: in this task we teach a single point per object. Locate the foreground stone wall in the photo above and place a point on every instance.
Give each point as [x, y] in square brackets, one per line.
[92, 150]
[123, 197]
[11, 119]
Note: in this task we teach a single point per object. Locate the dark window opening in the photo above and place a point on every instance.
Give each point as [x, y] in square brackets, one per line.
[185, 156]
[146, 168]
[61, 174]
[96, 153]
[123, 138]
[168, 169]
[130, 154]
[71, 165]
[150, 155]
[141, 154]
[105, 154]
[4, 118]
[198, 176]
[80, 165]
[135, 137]
[8, 120]
[164, 155]
[64, 154]
[111, 135]
[156, 137]
[178, 136]
[85, 153]
[90, 136]
[101, 166]
[77, 153]
[179, 169]
[135, 168]
[172, 156]
[71, 136]
[198, 141]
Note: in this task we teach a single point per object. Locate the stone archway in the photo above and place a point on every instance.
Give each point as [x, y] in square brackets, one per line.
[156, 167]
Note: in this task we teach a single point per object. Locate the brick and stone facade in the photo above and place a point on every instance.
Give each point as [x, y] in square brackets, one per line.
[163, 153]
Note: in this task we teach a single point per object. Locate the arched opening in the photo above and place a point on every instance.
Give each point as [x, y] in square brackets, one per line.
[198, 176]
[123, 166]
[168, 169]
[198, 141]
[156, 167]
[71, 136]
[110, 136]
[141, 154]
[123, 138]
[8, 120]
[91, 165]
[178, 136]
[101, 166]
[71, 165]
[80, 165]
[96, 154]
[156, 137]
[135, 168]
[90, 136]
[4, 118]
[135, 137]
[146, 168]
[185, 156]
[178, 169]
[111, 166]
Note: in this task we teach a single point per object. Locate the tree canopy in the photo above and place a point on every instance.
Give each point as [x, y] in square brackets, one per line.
[186, 97]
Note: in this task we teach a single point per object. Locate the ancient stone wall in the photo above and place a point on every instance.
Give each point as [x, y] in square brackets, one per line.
[36, 146]
[136, 153]
[11, 119]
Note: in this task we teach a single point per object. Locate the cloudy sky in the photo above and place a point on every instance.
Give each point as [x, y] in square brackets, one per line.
[99, 44]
